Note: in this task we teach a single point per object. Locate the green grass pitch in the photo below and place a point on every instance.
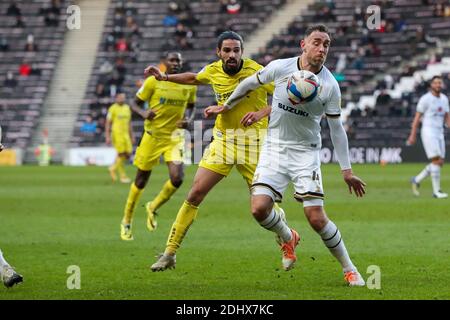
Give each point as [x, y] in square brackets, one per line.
[55, 217]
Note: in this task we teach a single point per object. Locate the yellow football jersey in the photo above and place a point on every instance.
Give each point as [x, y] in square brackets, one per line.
[169, 101]
[224, 84]
[120, 116]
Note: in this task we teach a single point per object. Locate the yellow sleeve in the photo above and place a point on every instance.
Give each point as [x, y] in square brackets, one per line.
[193, 95]
[147, 89]
[111, 113]
[204, 75]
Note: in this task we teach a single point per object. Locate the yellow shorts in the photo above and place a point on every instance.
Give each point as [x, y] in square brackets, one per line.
[122, 143]
[222, 155]
[151, 148]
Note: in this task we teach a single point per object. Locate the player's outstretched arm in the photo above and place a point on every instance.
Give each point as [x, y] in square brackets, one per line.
[415, 125]
[181, 78]
[249, 84]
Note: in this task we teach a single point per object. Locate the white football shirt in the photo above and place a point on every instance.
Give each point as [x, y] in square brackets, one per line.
[433, 109]
[299, 124]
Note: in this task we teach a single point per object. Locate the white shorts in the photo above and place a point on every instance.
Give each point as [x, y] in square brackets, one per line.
[434, 144]
[279, 165]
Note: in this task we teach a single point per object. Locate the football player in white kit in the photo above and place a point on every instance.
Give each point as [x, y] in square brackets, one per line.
[434, 108]
[291, 151]
[8, 276]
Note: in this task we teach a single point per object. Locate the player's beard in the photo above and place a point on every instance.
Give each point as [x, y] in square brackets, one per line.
[232, 70]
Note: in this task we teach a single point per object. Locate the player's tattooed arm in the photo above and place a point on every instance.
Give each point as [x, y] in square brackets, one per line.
[138, 107]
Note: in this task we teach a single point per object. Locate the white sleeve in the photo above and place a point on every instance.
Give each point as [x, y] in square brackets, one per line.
[422, 105]
[267, 74]
[340, 142]
[249, 84]
[333, 104]
[263, 76]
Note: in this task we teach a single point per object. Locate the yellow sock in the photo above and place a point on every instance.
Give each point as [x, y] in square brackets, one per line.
[121, 167]
[132, 200]
[167, 191]
[115, 164]
[185, 218]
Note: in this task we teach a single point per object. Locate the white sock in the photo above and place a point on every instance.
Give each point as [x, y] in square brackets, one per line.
[331, 237]
[2, 260]
[275, 224]
[423, 174]
[435, 177]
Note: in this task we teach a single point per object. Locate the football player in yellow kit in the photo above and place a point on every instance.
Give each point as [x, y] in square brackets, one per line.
[164, 117]
[224, 76]
[118, 131]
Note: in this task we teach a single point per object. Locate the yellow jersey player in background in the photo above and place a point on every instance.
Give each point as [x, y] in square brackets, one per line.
[223, 75]
[118, 131]
[164, 119]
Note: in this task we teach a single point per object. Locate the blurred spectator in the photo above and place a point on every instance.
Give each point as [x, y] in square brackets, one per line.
[51, 13]
[122, 45]
[132, 28]
[383, 98]
[170, 20]
[325, 14]
[110, 43]
[389, 81]
[106, 68]
[30, 46]
[439, 9]
[233, 7]
[35, 70]
[182, 35]
[19, 22]
[372, 50]
[13, 10]
[120, 67]
[119, 18]
[341, 63]
[4, 46]
[89, 127]
[51, 19]
[25, 69]
[10, 81]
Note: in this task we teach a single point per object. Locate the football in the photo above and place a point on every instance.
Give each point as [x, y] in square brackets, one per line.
[302, 87]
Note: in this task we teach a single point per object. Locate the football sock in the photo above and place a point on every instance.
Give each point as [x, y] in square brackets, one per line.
[2, 260]
[167, 191]
[121, 166]
[331, 237]
[435, 172]
[423, 174]
[185, 217]
[275, 223]
[132, 200]
[115, 164]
